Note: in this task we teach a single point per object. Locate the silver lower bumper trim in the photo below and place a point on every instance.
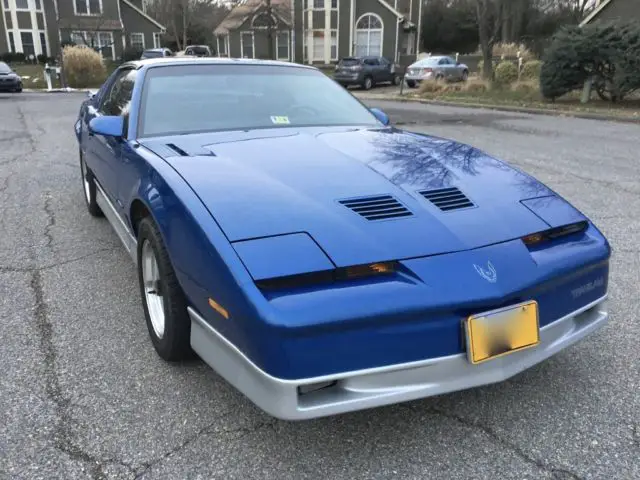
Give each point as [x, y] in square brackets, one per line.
[375, 387]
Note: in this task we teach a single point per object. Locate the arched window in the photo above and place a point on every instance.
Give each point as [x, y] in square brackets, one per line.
[369, 35]
[262, 20]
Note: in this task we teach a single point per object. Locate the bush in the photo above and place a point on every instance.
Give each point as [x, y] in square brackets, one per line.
[131, 53]
[430, 86]
[476, 85]
[531, 70]
[511, 50]
[9, 57]
[526, 86]
[607, 52]
[83, 67]
[506, 73]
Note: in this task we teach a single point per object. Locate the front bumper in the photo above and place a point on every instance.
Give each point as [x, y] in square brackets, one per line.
[10, 84]
[385, 385]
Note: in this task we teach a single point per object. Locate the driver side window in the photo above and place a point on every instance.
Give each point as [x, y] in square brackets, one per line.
[117, 98]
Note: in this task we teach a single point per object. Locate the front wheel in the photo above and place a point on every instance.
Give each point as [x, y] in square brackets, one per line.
[411, 84]
[164, 303]
[396, 80]
[465, 76]
[368, 83]
[89, 189]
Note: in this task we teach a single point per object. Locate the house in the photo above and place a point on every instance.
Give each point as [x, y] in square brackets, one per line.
[322, 31]
[609, 10]
[40, 27]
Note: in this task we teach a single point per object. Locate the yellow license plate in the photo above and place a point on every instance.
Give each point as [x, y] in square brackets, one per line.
[500, 332]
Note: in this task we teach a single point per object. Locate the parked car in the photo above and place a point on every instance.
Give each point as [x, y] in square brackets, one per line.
[436, 68]
[156, 53]
[366, 72]
[9, 80]
[196, 51]
[318, 258]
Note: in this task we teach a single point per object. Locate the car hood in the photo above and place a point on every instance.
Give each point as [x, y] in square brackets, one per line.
[283, 181]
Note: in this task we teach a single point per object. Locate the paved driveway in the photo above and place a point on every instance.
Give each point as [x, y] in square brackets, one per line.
[83, 394]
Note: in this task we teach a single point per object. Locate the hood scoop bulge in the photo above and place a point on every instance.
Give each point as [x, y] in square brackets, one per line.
[380, 207]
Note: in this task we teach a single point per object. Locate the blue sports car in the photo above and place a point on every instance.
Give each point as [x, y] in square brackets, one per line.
[315, 256]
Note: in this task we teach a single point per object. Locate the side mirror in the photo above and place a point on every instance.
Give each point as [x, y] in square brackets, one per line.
[110, 126]
[91, 94]
[380, 115]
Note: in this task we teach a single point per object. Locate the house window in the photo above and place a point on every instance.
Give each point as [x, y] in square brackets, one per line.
[137, 41]
[88, 7]
[105, 44]
[6, 4]
[12, 43]
[334, 4]
[369, 35]
[263, 21]
[282, 45]
[28, 47]
[318, 4]
[334, 45]
[38, 5]
[43, 43]
[22, 5]
[318, 46]
[223, 45]
[157, 41]
[247, 44]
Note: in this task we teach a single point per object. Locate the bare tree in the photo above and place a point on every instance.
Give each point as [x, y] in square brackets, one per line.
[490, 16]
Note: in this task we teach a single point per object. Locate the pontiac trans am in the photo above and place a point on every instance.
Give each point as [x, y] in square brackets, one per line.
[318, 258]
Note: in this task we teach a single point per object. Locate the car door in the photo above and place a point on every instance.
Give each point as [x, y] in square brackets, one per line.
[104, 151]
[386, 70]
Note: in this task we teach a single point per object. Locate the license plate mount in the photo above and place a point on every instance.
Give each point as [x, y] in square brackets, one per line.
[500, 332]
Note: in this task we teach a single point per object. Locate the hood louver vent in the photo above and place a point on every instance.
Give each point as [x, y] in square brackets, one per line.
[381, 207]
[447, 199]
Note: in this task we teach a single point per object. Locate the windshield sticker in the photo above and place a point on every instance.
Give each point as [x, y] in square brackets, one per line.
[280, 120]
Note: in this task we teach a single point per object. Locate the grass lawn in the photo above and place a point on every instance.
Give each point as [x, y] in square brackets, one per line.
[33, 75]
[528, 96]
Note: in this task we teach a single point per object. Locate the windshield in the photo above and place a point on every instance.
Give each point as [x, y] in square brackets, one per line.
[200, 98]
[4, 68]
[152, 53]
[427, 62]
[349, 62]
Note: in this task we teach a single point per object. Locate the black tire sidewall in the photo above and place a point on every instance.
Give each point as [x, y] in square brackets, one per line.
[175, 342]
[91, 202]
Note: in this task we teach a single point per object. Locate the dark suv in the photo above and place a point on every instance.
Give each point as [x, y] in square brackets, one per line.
[366, 72]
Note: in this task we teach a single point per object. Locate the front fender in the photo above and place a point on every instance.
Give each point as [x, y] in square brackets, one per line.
[205, 263]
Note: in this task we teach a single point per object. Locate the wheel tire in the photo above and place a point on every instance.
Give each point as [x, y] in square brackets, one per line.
[411, 84]
[396, 80]
[19, 89]
[367, 83]
[172, 343]
[465, 76]
[89, 189]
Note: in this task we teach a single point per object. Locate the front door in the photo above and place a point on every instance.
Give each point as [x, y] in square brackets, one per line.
[103, 152]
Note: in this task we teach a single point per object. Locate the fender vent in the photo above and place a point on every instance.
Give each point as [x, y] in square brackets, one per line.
[447, 199]
[381, 207]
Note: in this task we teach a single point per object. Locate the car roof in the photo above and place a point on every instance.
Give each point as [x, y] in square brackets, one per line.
[150, 62]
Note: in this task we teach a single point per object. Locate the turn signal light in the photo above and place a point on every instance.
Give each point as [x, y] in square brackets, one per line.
[329, 276]
[537, 238]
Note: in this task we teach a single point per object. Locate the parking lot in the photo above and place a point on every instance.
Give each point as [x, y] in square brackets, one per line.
[84, 395]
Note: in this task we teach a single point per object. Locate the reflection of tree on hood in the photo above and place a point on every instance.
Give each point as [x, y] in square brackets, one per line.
[430, 163]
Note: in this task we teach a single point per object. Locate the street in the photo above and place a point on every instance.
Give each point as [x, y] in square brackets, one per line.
[84, 395]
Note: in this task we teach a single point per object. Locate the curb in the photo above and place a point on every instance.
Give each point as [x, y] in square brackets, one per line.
[59, 90]
[503, 108]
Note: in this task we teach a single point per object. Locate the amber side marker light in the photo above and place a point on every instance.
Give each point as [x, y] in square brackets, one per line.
[218, 308]
[329, 276]
[536, 238]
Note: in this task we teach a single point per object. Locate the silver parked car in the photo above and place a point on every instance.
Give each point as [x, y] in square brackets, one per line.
[436, 68]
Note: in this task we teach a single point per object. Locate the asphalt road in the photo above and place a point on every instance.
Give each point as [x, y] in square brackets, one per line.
[83, 394]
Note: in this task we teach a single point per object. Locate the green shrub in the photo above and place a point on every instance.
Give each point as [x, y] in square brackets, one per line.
[83, 67]
[607, 52]
[506, 73]
[531, 70]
